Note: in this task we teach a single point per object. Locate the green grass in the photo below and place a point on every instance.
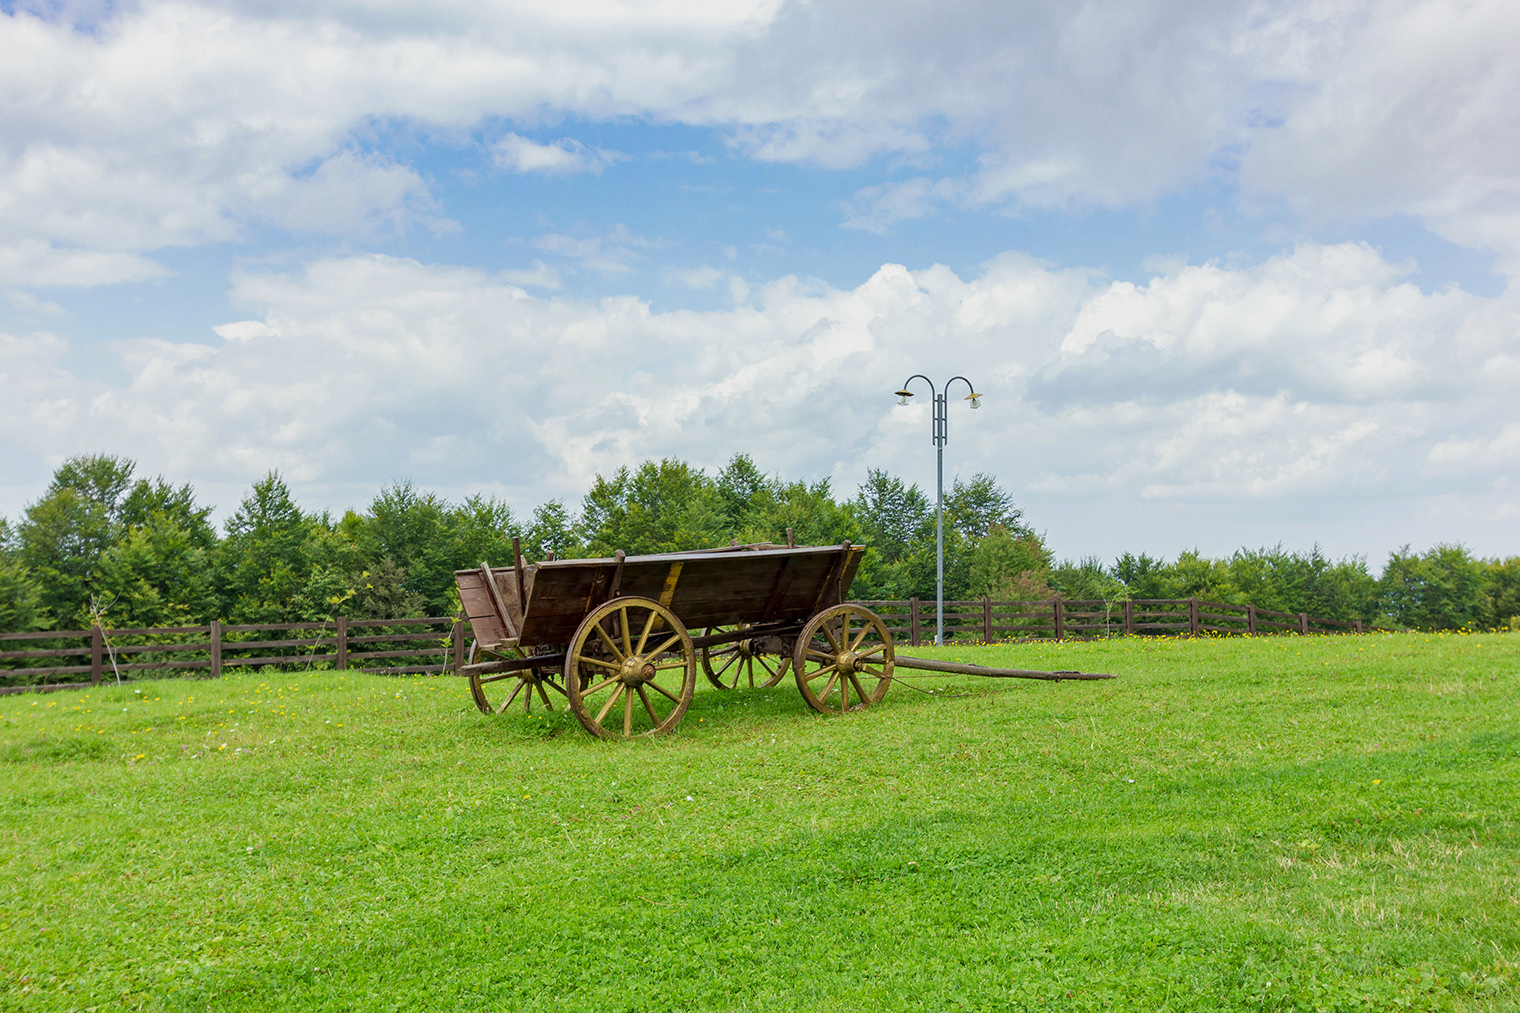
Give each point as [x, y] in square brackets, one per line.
[1271, 823]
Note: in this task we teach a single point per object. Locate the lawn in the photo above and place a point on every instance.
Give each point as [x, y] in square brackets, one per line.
[1325, 823]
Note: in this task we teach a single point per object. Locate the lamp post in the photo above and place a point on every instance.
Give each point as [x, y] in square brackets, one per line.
[941, 433]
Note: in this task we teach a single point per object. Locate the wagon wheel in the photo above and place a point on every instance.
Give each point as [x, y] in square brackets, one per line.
[836, 669]
[630, 670]
[506, 687]
[726, 664]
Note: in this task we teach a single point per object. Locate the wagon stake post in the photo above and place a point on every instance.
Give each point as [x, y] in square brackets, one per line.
[956, 668]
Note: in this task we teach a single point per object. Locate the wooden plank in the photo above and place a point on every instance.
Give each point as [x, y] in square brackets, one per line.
[46, 635]
[216, 649]
[913, 631]
[97, 641]
[421, 621]
[360, 656]
[277, 627]
[53, 652]
[778, 593]
[280, 659]
[1129, 617]
[154, 631]
[248, 645]
[146, 666]
[1059, 618]
[151, 648]
[417, 670]
[46, 687]
[341, 662]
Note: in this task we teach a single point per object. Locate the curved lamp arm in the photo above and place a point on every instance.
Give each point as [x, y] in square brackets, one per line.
[904, 393]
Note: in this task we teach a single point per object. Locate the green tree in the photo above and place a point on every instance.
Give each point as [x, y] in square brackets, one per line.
[21, 606]
[741, 487]
[160, 574]
[1008, 566]
[1144, 576]
[1441, 590]
[551, 530]
[67, 531]
[1502, 589]
[277, 564]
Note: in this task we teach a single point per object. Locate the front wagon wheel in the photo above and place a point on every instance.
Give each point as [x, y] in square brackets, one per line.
[630, 670]
[843, 660]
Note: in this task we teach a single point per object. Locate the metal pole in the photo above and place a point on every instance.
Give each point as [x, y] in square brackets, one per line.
[939, 549]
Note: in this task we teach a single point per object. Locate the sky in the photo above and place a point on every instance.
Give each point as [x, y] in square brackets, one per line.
[1226, 274]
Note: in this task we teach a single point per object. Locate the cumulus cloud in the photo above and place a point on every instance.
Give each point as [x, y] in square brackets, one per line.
[1314, 378]
[566, 155]
[174, 122]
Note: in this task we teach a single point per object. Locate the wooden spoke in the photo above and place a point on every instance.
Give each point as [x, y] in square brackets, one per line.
[828, 686]
[661, 689]
[556, 687]
[508, 702]
[498, 677]
[674, 639]
[640, 621]
[604, 683]
[833, 646]
[544, 695]
[610, 645]
[654, 718]
[601, 715]
[822, 671]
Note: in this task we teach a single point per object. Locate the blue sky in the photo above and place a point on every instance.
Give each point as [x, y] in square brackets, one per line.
[1229, 274]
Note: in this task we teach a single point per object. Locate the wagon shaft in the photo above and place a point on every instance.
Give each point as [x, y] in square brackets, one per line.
[957, 668]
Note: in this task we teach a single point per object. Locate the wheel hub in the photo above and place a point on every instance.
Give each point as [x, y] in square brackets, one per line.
[848, 661]
[636, 670]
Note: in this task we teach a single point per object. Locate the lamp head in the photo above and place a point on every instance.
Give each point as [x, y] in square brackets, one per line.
[975, 399]
[903, 395]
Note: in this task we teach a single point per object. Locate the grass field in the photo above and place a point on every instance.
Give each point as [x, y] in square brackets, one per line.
[1271, 823]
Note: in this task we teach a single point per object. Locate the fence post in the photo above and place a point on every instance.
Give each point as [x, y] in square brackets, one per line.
[913, 621]
[1250, 618]
[458, 635]
[1303, 623]
[1193, 616]
[1129, 617]
[216, 648]
[1060, 618]
[986, 619]
[97, 644]
[341, 663]
[1359, 627]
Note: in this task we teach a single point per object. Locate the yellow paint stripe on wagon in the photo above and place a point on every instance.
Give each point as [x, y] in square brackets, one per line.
[670, 584]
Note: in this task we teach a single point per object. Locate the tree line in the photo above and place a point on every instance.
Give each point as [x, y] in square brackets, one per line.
[103, 545]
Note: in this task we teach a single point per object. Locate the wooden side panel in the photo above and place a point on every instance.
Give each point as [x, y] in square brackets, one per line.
[485, 624]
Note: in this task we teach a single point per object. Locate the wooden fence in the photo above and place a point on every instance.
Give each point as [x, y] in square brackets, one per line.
[987, 621]
[365, 645]
[384, 645]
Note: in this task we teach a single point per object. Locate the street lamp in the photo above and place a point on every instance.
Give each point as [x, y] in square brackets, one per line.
[941, 433]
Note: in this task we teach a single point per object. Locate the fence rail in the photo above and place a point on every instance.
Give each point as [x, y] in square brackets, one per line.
[220, 647]
[383, 646]
[912, 620]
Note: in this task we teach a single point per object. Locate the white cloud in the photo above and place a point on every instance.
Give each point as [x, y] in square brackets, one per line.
[566, 155]
[172, 122]
[33, 263]
[1208, 393]
[695, 277]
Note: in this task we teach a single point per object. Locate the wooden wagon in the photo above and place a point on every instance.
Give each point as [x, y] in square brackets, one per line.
[613, 635]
